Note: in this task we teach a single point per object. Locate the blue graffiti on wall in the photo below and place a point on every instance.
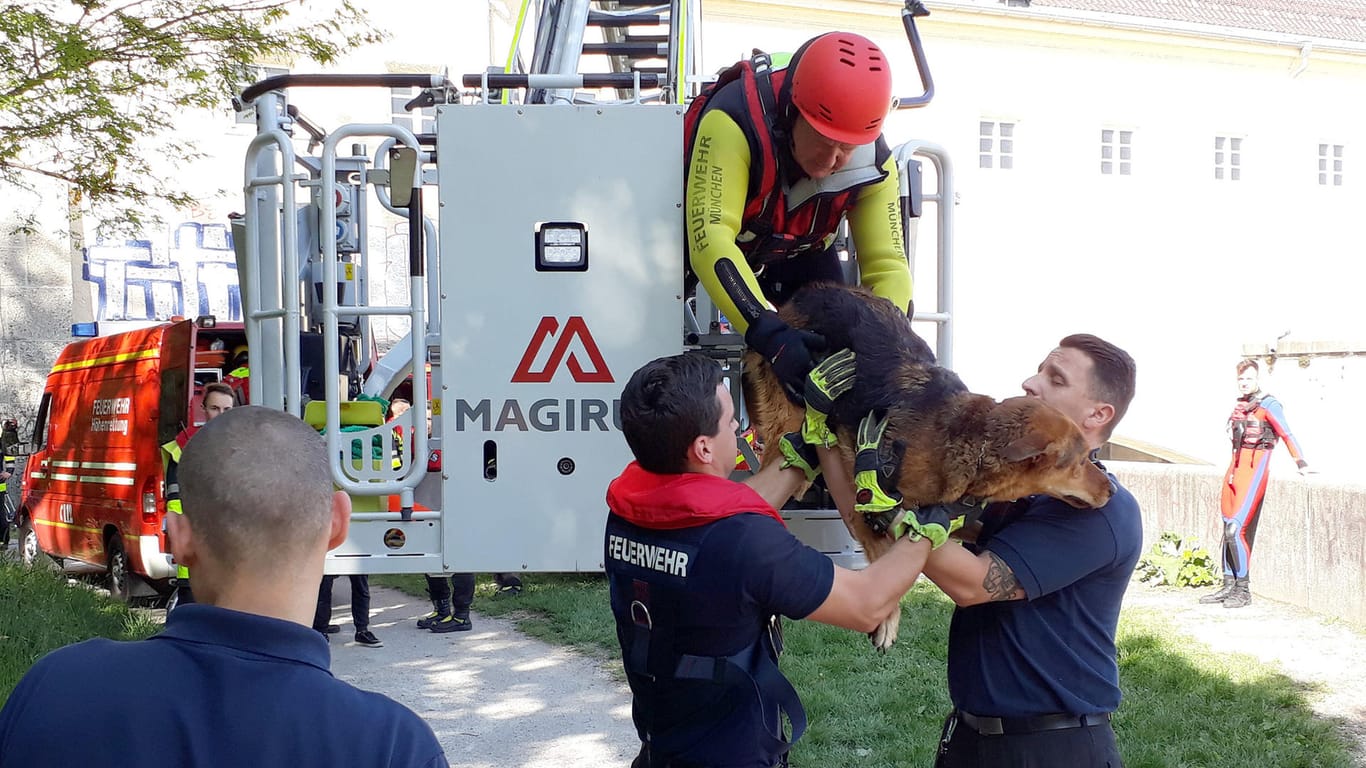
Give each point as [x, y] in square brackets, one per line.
[196, 276]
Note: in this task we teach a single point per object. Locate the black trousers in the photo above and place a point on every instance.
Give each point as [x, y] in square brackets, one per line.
[460, 589]
[643, 760]
[1090, 747]
[360, 603]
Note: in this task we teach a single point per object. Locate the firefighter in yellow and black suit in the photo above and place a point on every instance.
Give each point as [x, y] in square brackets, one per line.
[776, 157]
[218, 399]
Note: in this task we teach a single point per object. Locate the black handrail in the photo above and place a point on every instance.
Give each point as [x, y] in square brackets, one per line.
[913, 9]
[280, 82]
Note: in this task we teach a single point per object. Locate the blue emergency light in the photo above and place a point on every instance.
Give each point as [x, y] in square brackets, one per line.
[85, 329]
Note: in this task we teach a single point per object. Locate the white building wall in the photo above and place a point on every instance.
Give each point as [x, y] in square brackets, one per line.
[1174, 266]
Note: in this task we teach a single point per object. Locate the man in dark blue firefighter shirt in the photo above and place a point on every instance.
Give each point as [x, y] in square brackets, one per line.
[700, 567]
[248, 679]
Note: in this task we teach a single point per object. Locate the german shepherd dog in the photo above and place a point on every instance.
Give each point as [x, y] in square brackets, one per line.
[954, 444]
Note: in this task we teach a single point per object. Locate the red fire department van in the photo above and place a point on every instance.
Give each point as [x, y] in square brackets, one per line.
[92, 487]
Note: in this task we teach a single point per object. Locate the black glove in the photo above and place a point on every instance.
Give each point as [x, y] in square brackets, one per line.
[790, 351]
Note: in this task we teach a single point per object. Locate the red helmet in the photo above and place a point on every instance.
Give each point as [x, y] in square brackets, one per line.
[842, 85]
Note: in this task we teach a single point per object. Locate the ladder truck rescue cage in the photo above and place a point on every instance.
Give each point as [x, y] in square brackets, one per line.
[544, 250]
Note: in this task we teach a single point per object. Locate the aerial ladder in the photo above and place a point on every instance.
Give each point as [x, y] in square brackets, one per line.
[544, 265]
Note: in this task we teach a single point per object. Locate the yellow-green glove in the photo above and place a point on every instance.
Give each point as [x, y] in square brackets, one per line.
[800, 454]
[932, 522]
[874, 479]
[827, 381]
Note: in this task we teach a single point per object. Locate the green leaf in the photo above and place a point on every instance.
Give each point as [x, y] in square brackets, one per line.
[87, 87]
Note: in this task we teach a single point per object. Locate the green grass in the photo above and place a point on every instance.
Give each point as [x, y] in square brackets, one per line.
[40, 612]
[1184, 707]
[1187, 707]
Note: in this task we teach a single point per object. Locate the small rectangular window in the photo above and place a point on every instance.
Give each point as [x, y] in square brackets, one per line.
[39, 438]
[1330, 165]
[995, 145]
[1228, 158]
[1116, 152]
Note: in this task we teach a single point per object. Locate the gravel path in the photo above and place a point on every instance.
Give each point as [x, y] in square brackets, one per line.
[1328, 656]
[496, 698]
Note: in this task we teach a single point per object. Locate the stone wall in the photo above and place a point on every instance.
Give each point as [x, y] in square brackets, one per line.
[1310, 547]
[36, 307]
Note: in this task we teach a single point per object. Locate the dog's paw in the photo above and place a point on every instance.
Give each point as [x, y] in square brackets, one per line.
[884, 636]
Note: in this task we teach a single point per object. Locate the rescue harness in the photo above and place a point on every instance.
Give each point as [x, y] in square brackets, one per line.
[650, 654]
[1248, 431]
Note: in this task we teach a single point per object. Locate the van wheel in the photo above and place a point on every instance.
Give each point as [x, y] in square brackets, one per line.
[30, 553]
[120, 588]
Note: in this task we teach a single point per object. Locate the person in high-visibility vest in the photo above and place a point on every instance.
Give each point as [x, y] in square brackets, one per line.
[237, 373]
[218, 399]
[10, 436]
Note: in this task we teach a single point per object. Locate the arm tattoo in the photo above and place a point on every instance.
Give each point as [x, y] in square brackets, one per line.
[1000, 582]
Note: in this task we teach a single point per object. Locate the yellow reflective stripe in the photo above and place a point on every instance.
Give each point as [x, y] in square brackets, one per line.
[516, 43]
[69, 526]
[681, 56]
[73, 527]
[122, 357]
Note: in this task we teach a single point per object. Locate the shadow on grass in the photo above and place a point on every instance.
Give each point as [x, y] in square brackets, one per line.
[1186, 705]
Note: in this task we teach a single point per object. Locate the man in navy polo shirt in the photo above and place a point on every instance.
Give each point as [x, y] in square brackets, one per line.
[239, 678]
[1033, 673]
[700, 567]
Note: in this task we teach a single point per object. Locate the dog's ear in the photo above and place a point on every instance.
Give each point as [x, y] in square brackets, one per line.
[1027, 447]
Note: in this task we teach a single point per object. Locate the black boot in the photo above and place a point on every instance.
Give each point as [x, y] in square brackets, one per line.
[440, 610]
[1218, 597]
[452, 624]
[1240, 597]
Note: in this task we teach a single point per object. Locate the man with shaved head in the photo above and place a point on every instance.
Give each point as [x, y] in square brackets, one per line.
[250, 676]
